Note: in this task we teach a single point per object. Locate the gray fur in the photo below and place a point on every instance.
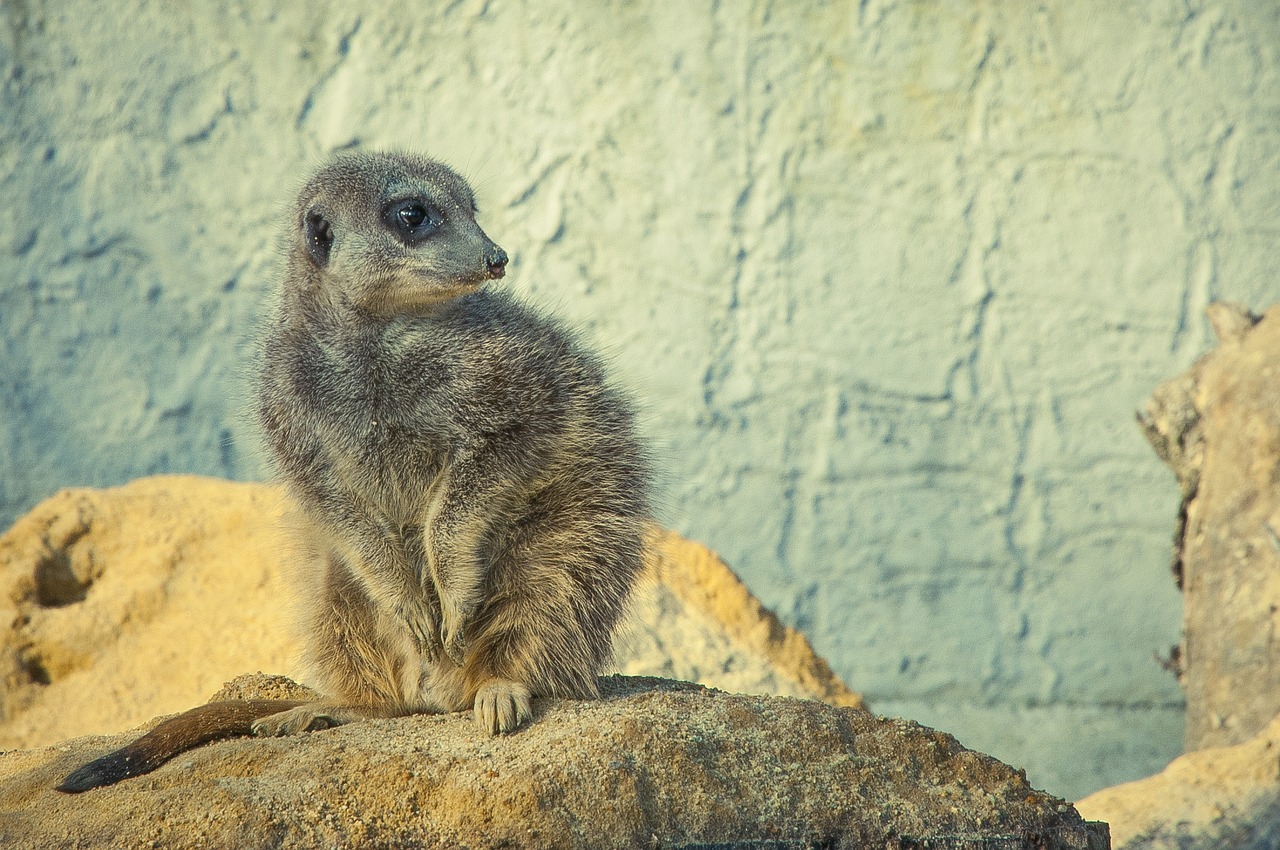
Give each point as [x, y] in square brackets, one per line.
[474, 501]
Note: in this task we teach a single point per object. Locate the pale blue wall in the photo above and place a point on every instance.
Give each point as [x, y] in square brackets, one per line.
[888, 278]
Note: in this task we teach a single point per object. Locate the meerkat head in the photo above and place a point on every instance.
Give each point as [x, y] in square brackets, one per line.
[391, 233]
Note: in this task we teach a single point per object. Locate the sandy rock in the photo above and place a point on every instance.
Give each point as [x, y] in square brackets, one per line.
[141, 600]
[1218, 427]
[1215, 798]
[130, 602]
[698, 622]
[655, 763]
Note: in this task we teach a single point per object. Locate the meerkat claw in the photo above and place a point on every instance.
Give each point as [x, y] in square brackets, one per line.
[456, 652]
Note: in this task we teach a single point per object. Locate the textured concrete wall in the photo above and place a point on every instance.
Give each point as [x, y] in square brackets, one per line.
[889, 279]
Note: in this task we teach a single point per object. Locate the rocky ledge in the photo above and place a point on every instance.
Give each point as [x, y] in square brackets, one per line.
[125, 603]
[655, 763]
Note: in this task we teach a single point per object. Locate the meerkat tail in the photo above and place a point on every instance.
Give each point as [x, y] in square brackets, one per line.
[191, 729]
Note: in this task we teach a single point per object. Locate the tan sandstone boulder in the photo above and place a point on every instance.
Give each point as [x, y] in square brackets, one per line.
[141, 600]
[1210, 799]
[136, 601]
[656, 763]
[1218, 427]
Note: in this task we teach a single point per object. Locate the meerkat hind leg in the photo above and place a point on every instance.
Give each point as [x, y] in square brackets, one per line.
[502, 706]
[312, 717]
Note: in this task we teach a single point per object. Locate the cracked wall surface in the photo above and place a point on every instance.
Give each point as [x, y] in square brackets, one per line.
[889, 280]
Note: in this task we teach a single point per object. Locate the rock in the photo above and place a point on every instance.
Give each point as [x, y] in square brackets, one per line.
[698, 621]
[125, 603]
[1218, 427]
[655, 763]
[1219, 797]
[141, 600]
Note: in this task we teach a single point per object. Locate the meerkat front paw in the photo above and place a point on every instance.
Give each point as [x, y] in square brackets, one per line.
[420, 621]
[457, 609]
[502, 706]
[451, 636]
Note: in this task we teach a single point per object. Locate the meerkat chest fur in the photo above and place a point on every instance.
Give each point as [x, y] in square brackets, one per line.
[474, 500]
[380, 409]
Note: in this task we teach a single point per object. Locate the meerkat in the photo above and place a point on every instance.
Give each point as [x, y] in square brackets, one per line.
[472, 496]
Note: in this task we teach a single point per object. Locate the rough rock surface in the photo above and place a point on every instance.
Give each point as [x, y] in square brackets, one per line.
[126, 603]
[1212, 799]
[128, 599]
[655, 763]
[1218, 427]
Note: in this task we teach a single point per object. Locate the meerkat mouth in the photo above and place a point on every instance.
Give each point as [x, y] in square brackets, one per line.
[414, 298]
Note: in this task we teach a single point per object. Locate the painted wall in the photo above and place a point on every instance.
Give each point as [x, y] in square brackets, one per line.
[889, 280]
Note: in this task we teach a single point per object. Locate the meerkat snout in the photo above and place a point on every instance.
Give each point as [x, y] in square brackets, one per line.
[495, 260]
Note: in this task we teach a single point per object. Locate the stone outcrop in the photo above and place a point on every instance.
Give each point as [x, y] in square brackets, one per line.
[1218, 427]
[656, 763]
[141, 600]
[1210, 799]
[124, 603]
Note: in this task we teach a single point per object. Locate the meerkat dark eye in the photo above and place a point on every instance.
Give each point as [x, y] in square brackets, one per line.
[413, 216]
[413, 219]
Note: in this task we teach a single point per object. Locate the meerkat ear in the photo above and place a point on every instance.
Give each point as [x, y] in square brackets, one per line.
[319, 237]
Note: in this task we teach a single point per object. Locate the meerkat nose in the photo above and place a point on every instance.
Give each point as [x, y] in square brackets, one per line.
[496, 261]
